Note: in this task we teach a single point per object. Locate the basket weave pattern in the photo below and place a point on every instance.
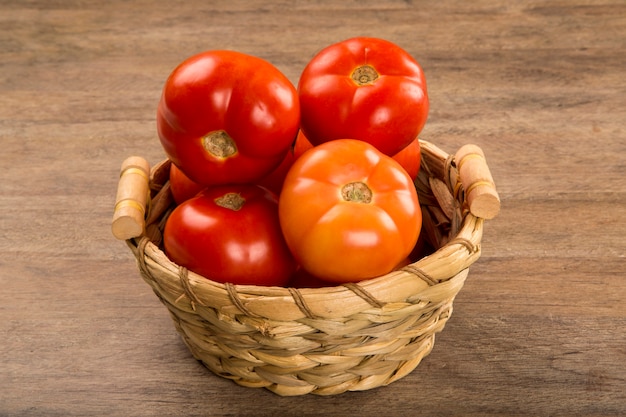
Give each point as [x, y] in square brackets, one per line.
[323, 341]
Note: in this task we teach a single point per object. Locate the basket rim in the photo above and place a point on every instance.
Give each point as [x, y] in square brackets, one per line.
[420, 280]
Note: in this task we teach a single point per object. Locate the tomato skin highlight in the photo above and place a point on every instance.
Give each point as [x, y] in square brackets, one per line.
[347, 241]
[219, 98]
[389, 112]
[243, 246]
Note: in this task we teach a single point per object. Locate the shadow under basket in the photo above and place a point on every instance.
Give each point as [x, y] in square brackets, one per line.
[326, 341]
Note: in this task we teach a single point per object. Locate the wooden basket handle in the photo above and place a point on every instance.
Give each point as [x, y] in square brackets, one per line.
[480, 190]
[130, 201]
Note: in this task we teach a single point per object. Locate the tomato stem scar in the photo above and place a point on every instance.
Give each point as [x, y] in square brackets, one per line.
[219, 144]
[231, 201]
[357, 192]
[364, 75]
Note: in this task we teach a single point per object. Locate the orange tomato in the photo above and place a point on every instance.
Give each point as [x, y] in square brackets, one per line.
[409, 157]
[348, 212]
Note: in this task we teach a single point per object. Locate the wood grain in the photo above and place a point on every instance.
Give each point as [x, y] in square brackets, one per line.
[538, 328]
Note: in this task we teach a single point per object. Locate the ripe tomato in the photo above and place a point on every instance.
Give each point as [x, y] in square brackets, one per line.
[181, 186]
[301, 145]
[406, 261]
[349, 212]
[410, 158]
[227, 117]
[274, 180]
[230, 234]
[363, 88]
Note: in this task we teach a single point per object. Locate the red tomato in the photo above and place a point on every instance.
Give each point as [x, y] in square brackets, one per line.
[302, 145]
[363, 88]
[181, 186]
[274, 180]
[230, 234]
[410, 158]
[227, 117]
[349, 212]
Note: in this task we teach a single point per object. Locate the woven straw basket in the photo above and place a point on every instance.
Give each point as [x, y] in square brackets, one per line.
[329, 340]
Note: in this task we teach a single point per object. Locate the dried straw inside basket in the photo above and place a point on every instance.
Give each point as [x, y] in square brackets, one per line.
[326, 340]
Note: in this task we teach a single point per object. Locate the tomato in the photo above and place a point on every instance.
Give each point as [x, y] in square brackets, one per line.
[348, 212]
[363, 88]
[410, 158]
[274, 180]
[406, 261]
[301, 145]
[227, 117]
[181, 187]
[230, 234]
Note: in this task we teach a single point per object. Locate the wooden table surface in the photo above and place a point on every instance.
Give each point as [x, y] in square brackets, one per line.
[539, 327]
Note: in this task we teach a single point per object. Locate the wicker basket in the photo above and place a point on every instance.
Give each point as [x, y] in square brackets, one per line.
[329, 340]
